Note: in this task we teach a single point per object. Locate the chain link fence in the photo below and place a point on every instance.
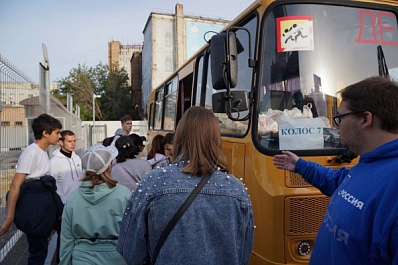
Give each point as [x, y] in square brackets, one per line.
[21, 100]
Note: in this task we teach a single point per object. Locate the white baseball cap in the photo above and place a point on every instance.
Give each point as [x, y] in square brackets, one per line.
[98, 157]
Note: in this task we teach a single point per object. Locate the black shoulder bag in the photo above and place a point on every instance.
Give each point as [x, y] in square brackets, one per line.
[178, 215]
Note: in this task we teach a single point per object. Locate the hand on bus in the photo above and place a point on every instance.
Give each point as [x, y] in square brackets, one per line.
[287, 160]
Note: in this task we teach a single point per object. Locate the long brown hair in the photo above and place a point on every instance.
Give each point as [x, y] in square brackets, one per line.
[101, 178]
[198, 139]
[156, 147]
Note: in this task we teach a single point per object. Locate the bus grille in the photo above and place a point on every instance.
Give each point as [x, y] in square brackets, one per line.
[305, 214]
[294, 180]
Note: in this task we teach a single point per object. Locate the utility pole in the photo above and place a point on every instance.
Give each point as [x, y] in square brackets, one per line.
[44, 71]
[94, 139]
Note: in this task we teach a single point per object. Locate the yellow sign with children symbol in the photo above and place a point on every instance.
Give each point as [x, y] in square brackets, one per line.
[295, 33]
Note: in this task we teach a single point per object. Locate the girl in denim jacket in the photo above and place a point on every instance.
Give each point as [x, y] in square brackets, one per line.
[217, 228]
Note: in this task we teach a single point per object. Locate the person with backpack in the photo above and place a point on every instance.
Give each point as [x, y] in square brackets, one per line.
[127, 124]
[156, 156]
[128, 170]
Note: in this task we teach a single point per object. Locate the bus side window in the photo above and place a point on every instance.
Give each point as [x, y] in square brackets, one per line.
[170, 100]
[151, 117]
[184, 96]
[201, 79]
[158, 110]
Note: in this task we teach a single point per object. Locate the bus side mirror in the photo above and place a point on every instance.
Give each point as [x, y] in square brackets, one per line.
[239, 101]
[224, 60]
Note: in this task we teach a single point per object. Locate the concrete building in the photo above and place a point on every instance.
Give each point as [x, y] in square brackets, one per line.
[120, 55]
[169, 40]
[13, 93]
[20, 104]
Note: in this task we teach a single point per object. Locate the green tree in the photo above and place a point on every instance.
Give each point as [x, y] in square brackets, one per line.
[111, 85]
[117, 99]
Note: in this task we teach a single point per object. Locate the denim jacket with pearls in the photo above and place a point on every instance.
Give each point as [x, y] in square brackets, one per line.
[216, 229]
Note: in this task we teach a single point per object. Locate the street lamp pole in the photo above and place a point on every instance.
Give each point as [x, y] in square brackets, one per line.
[94, 140]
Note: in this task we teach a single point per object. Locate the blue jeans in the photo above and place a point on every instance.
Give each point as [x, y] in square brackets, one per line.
[38, 247]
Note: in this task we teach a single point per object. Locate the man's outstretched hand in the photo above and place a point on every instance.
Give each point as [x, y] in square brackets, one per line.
[287, 160]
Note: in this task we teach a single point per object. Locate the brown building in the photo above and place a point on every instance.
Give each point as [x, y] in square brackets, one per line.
[136, 81]
[119, 55]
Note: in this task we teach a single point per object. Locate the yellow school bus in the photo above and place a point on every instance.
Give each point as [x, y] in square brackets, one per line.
[271, 77]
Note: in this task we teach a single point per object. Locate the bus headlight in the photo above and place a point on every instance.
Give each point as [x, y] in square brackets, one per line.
[304, 248]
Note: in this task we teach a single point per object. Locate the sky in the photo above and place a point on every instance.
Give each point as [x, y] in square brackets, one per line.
[78, 31]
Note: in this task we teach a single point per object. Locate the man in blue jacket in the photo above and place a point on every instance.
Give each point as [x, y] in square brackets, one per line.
[360, 225]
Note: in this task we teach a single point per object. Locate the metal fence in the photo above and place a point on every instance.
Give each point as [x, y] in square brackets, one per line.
[21, 100]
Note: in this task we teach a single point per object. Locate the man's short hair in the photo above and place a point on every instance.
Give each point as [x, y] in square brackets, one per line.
[65, 133]
[125, 118]
[168, 139]
[378, 95]
[44, 123]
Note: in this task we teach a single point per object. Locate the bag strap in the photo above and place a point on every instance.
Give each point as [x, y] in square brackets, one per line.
[161, 160]
[178, 215]
[125, 174]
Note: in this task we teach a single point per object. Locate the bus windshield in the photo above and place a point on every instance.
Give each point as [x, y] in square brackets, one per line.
[309, 53]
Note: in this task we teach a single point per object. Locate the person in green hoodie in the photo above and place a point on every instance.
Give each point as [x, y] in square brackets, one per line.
[93, 213]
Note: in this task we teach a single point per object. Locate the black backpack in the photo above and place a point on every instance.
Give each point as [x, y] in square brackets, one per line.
[107, 141]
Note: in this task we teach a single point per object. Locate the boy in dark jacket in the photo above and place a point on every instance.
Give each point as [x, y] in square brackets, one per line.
[33, 164]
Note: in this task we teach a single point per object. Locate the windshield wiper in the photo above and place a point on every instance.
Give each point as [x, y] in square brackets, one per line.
[346, 157]
[383, 69]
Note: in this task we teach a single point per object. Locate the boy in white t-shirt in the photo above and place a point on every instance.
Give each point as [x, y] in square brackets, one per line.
[33, 164]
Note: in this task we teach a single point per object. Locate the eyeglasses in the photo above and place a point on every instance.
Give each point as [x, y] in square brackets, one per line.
[337, 119]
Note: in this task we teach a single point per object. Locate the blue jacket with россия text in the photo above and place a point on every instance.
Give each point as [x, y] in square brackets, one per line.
[360, 225]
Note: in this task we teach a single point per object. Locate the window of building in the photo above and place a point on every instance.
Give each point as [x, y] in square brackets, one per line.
[167, 39]
[21, 96]
[169, 65]
[12, 98]
[30, 96]
[18, 123]
[5, 123]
